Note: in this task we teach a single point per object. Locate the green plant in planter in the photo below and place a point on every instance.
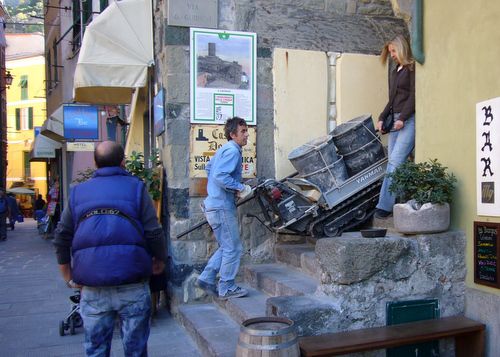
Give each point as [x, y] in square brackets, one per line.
[424, 182]
[150, 175]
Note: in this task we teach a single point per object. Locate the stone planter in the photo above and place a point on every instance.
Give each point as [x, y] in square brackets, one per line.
[430, 218]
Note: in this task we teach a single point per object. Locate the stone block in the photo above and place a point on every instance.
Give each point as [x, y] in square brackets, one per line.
[177, 88]
[310, 264]
[336, 6]
[178, 199]
[177, 59]
[265, 98]
[176, 35]
[189, 252]
[339, 257]
[177, 111]
[177, 175]
[262, 253]
[311, 316]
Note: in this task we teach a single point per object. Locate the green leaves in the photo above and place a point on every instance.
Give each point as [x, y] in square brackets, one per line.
[135, 164]
[423, 182]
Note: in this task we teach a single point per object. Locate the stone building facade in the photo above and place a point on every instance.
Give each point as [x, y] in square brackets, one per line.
[341, 26]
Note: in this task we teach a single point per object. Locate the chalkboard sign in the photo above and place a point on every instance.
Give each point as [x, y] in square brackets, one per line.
[486, 253]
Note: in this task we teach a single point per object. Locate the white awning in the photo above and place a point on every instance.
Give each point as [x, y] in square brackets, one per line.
[116, 51]
[43, 148]
[54, 126]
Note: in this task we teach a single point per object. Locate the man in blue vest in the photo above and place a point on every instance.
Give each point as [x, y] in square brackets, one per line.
[224, 187]
[109, 242]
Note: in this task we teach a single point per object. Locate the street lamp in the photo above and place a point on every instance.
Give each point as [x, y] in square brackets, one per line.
[7, 80]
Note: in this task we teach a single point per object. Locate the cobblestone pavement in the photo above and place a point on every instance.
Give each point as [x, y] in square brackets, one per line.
[34, 299]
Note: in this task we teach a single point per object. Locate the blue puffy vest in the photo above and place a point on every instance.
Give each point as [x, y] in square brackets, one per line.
[108, 244]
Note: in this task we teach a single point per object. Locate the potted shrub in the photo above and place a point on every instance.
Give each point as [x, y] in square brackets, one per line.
[427, 189]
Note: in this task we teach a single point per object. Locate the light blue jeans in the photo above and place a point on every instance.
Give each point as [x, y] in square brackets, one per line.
[226, 259]
[99, 308]
[401, 144]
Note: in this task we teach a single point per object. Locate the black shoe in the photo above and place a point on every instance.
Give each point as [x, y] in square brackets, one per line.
[210, 289]
[381, 214]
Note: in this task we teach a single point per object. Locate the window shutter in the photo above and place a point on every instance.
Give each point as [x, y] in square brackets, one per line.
[18, 118]
[30, 118]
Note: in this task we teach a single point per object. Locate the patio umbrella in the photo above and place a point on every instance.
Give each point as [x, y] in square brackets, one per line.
[21, 191]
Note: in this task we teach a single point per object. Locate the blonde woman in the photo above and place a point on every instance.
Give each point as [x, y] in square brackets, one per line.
[402, 104]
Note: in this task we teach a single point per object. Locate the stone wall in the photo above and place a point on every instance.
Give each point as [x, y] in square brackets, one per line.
[360, 26]
[360, 276]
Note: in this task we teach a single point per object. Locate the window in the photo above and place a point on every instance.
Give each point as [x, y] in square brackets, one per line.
[27, 166]
[103, 4]
[49, 72]
[24, 118]
[23, 83]
[86, 12]
[56, 65]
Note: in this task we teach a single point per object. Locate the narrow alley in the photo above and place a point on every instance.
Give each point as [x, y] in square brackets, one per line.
[34, 299]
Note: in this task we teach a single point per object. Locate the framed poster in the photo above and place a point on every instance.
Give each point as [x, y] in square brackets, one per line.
[486, 253]
[222, 76]
[81, 122]
[159, 113]
[488, 157]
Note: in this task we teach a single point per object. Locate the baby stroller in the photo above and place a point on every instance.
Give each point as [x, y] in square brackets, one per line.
[73, 320]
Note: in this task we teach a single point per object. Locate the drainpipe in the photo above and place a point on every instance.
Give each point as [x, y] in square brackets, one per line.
[332, 92]
[417, 31]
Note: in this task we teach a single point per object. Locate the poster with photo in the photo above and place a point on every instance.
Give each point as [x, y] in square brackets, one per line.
[223, 76]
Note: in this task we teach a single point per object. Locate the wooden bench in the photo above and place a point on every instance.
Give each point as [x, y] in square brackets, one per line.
[468, 334]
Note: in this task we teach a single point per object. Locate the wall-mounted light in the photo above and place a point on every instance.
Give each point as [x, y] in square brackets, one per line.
[7, 79]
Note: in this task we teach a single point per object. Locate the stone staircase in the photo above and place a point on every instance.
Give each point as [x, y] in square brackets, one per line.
[215, 326]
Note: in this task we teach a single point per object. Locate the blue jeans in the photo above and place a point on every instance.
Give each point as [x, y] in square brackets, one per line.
[226, 259]
[401, 143]
[99, 308]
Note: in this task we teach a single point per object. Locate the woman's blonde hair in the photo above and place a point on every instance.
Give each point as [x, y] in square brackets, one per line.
[403, 51]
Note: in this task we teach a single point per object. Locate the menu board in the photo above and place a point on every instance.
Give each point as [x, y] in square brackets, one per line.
[486, 253]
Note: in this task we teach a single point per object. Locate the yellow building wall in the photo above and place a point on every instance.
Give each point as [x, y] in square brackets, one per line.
[462, 52]
[19, 142]
[135, 137]
[300, 102]
[361, 86]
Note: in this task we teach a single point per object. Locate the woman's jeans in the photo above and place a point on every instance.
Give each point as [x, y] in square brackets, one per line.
[401, 144]
[99, 308]
[226, 259]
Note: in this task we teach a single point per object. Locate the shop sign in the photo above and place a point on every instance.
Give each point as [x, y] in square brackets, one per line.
[192, 13]
[80, 146]
[206, 139]
[80, 122]
[488, 157]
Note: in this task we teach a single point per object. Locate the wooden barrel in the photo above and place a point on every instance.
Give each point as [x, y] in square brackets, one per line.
[268, 336]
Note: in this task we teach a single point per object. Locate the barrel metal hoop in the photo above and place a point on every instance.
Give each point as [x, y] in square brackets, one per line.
[290, 328]
[279, 346]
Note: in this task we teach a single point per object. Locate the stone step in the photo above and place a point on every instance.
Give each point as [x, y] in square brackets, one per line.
[241, 309]
[279, 280]
[301, 256]
[215, 333]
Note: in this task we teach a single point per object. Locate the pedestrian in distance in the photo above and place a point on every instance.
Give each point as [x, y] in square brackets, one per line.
[108, 243]
[14, 211]
[224, 187]
[4, 213]
[39, 203]
[402, 104]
